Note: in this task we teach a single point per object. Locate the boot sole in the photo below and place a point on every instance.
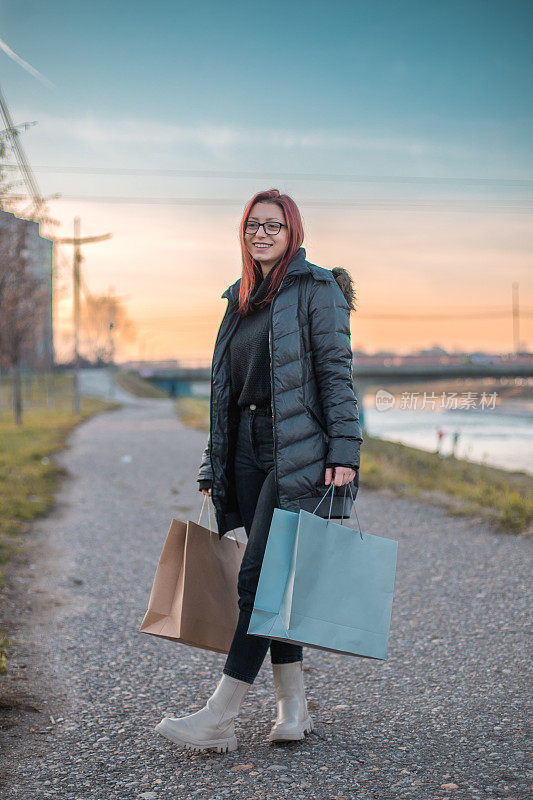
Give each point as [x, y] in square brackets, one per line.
[306, 727]
[220, 745]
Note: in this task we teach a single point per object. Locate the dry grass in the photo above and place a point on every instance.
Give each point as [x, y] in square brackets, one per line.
[28, 476]
[133, 384]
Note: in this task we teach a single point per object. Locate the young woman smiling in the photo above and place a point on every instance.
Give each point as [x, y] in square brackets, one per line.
[284, 423]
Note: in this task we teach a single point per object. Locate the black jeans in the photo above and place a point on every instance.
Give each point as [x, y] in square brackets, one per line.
[257, 498]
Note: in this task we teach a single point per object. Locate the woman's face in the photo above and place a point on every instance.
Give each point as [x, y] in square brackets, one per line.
[267, 248]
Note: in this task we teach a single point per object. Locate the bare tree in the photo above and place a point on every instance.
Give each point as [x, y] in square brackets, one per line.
[104, 317]
[23, 297]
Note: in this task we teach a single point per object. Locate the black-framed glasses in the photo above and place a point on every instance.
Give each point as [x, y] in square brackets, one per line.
[270, 228]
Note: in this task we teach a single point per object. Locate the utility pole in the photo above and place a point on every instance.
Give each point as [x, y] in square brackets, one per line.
[77, 241]
[110, 328]
[516, 319]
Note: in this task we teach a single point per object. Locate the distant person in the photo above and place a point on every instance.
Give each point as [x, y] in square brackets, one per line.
[284, 424]
[455, 440]
[440, 436]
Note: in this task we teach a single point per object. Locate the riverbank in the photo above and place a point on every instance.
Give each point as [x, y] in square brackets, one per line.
[461, 487]
[482, 422]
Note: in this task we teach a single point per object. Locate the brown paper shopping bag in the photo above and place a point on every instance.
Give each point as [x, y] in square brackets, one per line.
[194, 596]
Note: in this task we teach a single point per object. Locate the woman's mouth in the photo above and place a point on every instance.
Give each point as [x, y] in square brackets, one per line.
[262, 246]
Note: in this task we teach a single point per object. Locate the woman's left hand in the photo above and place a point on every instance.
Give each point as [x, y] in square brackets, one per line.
[342, 475]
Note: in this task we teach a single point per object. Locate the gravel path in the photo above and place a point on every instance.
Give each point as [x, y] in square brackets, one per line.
[448, 707]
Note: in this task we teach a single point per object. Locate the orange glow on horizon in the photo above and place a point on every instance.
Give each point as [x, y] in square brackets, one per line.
[170, 265]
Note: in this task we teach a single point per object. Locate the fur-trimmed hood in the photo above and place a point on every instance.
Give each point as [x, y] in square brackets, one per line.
[344, 279]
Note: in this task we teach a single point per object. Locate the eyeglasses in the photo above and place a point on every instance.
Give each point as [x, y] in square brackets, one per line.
[270, 228]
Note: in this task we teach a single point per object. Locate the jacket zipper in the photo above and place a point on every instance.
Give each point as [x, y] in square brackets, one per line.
[210, 428]
[211, 418]
[270, 336]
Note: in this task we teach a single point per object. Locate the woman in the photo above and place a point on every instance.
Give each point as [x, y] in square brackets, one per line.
[284, 424]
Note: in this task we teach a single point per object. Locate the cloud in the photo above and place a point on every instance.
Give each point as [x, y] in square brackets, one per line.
[24, 64]
[220, 139]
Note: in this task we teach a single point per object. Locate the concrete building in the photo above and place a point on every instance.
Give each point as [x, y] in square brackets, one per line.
[39, 252]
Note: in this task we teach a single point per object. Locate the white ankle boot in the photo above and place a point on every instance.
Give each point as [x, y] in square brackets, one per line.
[213, 727]
[293, 720]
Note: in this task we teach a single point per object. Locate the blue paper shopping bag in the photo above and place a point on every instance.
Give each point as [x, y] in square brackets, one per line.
[325, 585]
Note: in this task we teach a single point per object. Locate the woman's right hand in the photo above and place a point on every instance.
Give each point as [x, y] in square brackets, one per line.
[206, 491]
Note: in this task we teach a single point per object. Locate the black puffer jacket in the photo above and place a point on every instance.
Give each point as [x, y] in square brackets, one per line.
[316, 418]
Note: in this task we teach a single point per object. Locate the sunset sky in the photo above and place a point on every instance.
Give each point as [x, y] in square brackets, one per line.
[402, 130]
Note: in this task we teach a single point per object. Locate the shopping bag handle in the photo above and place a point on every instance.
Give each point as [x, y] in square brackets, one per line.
[347, 485]
[208, 497]
[353, 506]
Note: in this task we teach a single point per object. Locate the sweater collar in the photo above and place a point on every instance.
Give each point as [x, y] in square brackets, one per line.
[261, 287]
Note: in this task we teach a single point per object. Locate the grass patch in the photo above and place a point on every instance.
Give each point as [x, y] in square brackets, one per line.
[194, 412]
[503, 498]
[137, 386]
[5, 643]
[28, 476]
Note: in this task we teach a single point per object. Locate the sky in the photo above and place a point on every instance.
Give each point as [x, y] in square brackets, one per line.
[403, 131]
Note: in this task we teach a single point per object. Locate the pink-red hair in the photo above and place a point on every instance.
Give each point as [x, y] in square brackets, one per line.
[252, 268]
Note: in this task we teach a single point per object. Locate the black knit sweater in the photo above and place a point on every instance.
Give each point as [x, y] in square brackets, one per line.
[249, 351]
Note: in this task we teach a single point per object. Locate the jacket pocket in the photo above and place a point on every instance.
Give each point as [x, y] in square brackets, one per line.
[317, 420]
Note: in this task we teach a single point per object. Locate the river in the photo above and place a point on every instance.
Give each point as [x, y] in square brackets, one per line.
[500, 437]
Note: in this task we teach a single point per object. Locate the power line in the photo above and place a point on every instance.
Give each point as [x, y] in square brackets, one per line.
[359, 315]
[86, 291]
[364, 205]
[304, 176]
[477, 315]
